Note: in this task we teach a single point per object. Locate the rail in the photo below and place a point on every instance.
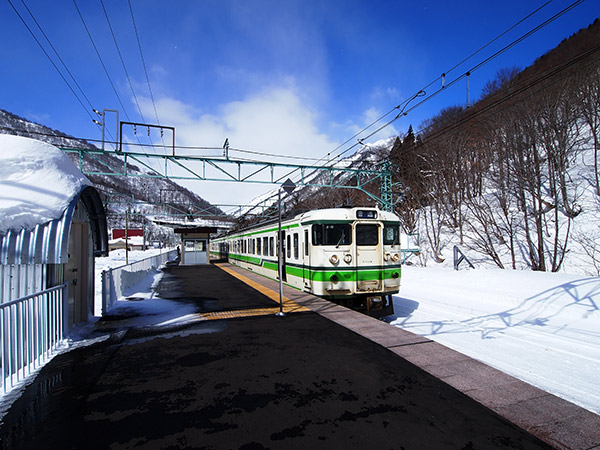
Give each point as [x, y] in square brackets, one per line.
[31, 329]
[116, 281]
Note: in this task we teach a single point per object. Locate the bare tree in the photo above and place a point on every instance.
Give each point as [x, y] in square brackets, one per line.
[587, 95]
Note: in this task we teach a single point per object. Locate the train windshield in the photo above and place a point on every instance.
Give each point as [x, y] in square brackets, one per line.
[367, 235]
[391, 235]
[332, 234]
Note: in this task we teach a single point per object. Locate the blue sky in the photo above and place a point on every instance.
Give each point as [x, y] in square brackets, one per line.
[284, 77]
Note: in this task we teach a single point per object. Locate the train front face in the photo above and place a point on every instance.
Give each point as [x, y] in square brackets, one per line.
[363, 259]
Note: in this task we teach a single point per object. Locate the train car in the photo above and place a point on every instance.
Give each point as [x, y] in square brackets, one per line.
[350, 256]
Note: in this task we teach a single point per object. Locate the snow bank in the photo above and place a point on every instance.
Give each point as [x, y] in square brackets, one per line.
[37, 182]
[543, 328]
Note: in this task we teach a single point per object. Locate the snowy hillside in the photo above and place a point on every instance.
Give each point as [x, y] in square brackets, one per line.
[582, 255]
[119, 189]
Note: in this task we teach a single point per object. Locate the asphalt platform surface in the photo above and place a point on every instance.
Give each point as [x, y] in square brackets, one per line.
[256, 382]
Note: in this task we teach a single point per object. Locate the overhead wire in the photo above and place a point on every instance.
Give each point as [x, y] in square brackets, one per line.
[429, 97]
[516, 90]
[101, 60]
[50, 58]
[105, 68]
[126, 73]
[143, 62]
[139, 44]
[57, 54]
[122, 61]
[482, 63]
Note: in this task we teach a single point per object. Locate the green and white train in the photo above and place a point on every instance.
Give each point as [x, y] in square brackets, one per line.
[348, 255]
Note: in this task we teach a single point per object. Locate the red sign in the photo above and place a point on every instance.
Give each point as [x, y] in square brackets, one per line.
[120, 232]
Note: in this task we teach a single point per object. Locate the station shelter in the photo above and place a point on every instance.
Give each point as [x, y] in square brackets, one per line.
[195, 244]
[52, 226]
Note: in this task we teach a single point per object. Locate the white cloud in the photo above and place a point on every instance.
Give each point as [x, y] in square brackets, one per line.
[373, 114]
[273, 121]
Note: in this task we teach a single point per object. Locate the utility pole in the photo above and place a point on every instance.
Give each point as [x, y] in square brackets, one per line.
[127, 236]
[288, 186]
[103, 124]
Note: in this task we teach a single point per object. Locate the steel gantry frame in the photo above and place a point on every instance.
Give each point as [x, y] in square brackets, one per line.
[231, 170]
[187, 209]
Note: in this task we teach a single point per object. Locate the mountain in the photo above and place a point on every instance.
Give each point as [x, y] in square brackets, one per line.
[154, 197]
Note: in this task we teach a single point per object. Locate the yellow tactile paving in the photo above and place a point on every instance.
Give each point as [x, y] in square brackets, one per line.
[289, 306]
[247, 313]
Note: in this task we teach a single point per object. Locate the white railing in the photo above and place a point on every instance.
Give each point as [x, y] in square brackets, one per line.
[117, 281]
[31, 329]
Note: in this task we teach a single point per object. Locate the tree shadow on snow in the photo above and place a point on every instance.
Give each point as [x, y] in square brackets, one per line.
[573, 301]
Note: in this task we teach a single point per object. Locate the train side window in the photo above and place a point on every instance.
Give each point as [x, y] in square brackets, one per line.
[258, 246]
[306, 242]
[391, 235]
[317, 232]
[272, 246]
[296, 252]
[288, 246]
[266, 246]
[367, 235]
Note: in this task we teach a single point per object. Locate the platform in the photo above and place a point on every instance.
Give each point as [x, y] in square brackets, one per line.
[238, 376]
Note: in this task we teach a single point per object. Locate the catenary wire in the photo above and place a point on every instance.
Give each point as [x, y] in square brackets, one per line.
[101, 60]
[133, 93]
[143, 61]
[477, 66]
[57, 54]
[51, 60]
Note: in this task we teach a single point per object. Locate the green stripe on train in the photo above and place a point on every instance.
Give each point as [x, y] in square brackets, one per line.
[254, 233]
[321, 274]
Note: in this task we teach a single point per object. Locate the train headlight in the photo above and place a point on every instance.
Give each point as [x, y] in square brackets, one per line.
[348, 258]
[396, 257]
[386, 257]
[333, 259]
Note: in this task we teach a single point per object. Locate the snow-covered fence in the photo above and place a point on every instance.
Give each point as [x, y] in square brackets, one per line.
[116, 281]
[31, 328]
[410, 244]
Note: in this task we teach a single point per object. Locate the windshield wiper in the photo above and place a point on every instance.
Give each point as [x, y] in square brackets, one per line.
[341, 239]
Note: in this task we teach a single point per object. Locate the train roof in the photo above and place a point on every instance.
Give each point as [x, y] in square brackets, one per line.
[344, 214]
[349, 214]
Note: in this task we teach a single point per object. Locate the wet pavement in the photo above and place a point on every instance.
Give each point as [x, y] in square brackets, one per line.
[299, 381]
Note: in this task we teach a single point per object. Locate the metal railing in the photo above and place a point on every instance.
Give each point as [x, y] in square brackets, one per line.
[31, 329]
[116, 281]
[411, 245]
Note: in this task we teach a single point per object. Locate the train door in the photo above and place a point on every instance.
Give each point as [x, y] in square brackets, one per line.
[306, 262]
[369, 252]
[283, 251]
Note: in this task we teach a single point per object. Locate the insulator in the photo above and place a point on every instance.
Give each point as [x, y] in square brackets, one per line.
[148, 131]
[135, 130]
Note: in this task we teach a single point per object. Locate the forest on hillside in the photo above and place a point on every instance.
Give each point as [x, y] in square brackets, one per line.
[513, 180]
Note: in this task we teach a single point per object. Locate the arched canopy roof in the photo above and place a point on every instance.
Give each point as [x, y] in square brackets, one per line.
[41, 188]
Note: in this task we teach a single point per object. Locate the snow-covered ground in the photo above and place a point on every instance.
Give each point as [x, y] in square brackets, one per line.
[151, 309]
[543, 328]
